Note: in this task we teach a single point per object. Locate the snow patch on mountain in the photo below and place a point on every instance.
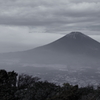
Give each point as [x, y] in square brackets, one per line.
[75, 35]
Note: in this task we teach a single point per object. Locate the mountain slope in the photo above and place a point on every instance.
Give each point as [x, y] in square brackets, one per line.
[77, 42]
[73, 49]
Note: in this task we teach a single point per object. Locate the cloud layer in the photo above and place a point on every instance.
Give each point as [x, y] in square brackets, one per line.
[57, 16]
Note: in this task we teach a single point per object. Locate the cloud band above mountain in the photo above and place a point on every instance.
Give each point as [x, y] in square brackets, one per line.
[52, 16]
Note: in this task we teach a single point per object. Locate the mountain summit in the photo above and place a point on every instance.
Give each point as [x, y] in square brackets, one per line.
[76, 35]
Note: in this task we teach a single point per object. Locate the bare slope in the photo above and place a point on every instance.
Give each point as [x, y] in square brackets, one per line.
[73, 49]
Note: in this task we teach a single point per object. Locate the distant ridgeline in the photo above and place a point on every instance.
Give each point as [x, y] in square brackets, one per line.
[25, 87]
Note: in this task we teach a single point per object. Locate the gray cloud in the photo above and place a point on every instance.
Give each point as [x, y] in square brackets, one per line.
[52, 16]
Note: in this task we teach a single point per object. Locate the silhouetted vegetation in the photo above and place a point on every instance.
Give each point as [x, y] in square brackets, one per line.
[26, 87]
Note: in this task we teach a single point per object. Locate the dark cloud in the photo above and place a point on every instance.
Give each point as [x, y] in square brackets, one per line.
[52, 16]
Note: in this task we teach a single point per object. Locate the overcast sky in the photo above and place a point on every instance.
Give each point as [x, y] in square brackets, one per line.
[25, 24]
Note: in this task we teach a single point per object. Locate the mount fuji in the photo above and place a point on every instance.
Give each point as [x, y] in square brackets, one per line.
[74, 48]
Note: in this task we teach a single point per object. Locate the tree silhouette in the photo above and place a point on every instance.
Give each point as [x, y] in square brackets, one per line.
[26, 87]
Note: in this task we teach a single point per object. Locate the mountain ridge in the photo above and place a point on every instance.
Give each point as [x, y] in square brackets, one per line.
[72, 48]
[70, 41]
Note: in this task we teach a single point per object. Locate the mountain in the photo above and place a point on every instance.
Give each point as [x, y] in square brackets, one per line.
[77, 43]
[74, 48]
[74, 58]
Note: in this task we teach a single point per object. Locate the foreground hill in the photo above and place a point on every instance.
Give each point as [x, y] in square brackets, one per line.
[26, 87]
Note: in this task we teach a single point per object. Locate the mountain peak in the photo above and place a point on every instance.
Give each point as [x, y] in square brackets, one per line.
[75, 35]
